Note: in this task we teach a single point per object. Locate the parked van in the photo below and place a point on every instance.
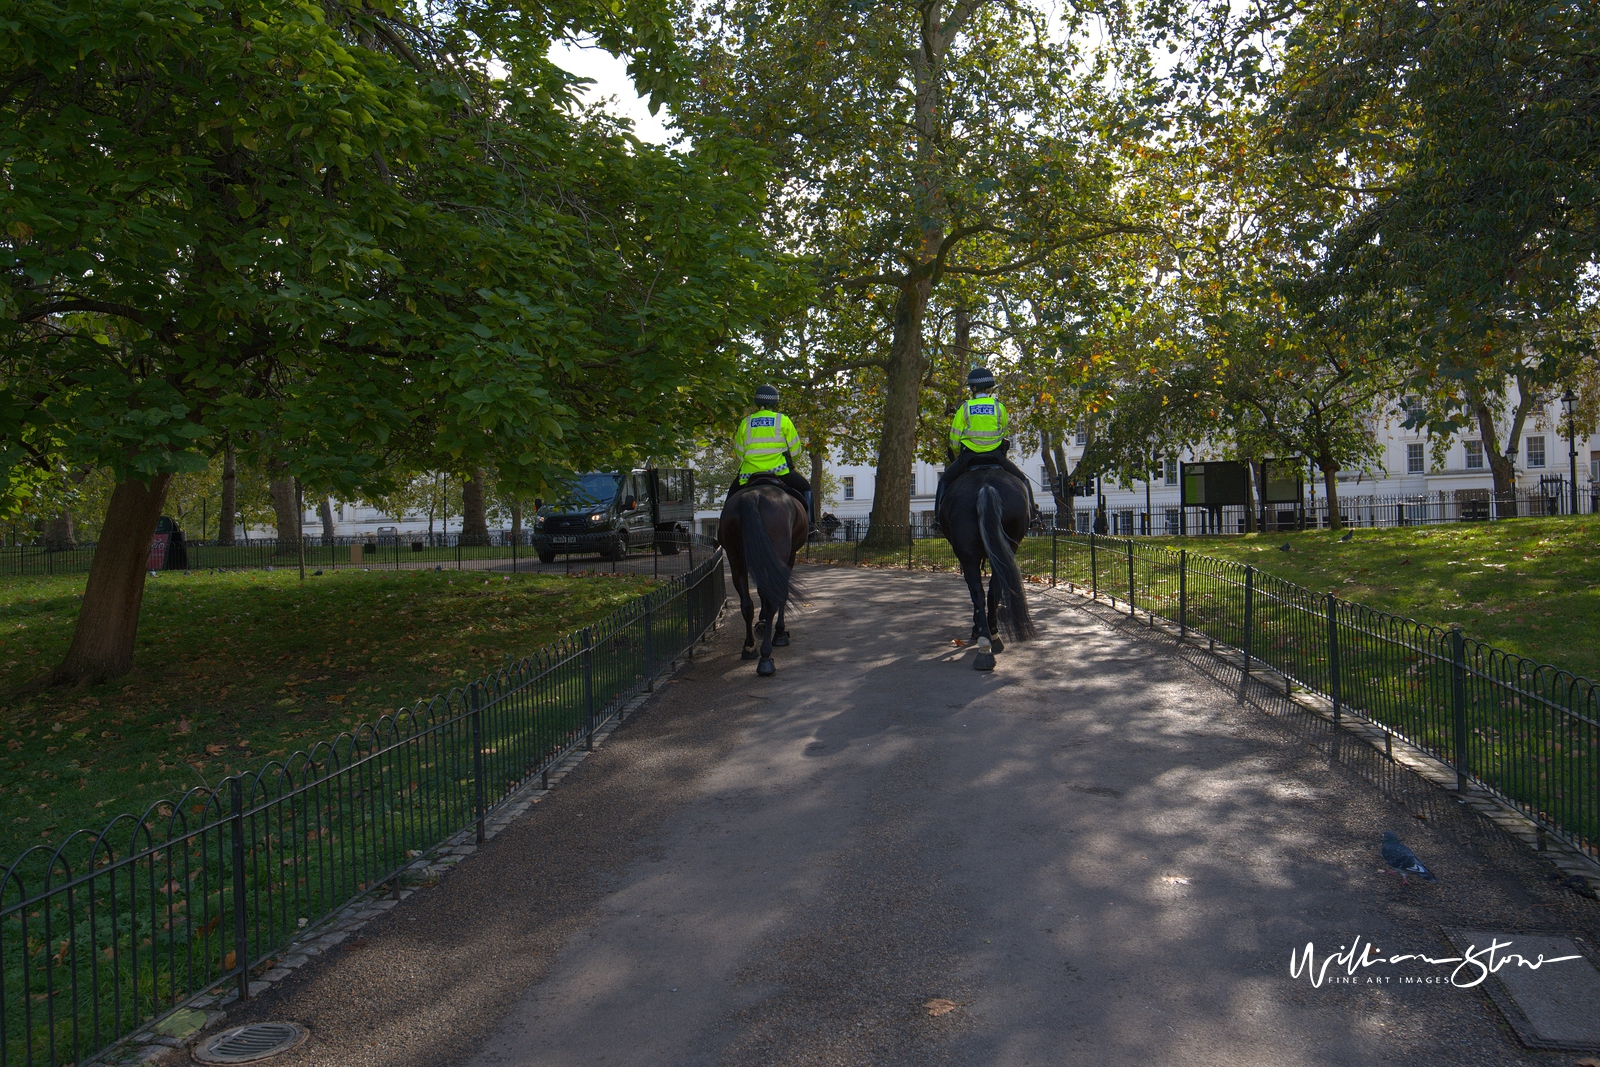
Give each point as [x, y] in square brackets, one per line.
[613, 513]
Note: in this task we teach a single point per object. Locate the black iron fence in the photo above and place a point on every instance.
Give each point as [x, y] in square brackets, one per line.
[1525, 731]
[112, 929]
[1370, 510]
[501, 550]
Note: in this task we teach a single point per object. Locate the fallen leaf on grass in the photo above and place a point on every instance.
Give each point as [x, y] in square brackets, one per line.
[215, 750]
[939, 1006]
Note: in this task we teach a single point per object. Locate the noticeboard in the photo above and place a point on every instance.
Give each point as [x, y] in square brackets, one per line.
[1284, 482]
[1214, 485]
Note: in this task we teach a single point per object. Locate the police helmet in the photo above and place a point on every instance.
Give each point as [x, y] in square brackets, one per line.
[980, 378]
[767, 394]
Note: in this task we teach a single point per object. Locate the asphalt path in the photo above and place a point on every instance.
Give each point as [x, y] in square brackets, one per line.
[1103, 852]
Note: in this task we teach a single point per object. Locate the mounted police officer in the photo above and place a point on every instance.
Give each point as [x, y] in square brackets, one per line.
[765, 443]
[978, 434]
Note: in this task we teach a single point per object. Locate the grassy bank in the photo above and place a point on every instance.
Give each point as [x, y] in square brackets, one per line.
[1529, 586]
[233, 670]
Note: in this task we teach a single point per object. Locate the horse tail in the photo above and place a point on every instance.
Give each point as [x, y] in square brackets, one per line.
[1014, 617]
[761, 557]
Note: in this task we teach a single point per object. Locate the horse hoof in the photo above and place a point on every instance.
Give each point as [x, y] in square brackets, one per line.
[984, 662]
[749, 653]
[996, 645]
[766, 668]
[781, 641]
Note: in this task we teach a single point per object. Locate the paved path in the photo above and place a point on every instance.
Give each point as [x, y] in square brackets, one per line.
[1102, 852]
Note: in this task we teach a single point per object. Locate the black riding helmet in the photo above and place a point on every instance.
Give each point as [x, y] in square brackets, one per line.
[980, 378]
[767, 395]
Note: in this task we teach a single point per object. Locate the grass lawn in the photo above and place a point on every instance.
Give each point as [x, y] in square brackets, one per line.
[1529, 586]
[236, 669]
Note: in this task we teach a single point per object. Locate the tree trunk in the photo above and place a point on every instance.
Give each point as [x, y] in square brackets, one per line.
[516, 524]
[1330, 485]
[474, 515]
[59, 534]
[325, 509]
[897, 445]
[108, 619]
[816, 483]
[1048, 443]
[285, 515]
[1502, 467]
[230, 500]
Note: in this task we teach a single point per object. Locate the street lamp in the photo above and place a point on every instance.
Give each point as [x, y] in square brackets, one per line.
[1570, 403]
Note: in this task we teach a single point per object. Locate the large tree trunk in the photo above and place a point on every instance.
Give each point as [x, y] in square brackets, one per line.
[285, 515]
[230, 499]
[897, 445]
[816, 482]
[474, 515]
[1053, 470]
[59, 534]
[108, 619]
[516, 524]
[1330, 484]
[325, 510]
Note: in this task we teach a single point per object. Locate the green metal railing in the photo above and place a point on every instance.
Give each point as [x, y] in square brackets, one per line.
[110, 930]
[1525, 731]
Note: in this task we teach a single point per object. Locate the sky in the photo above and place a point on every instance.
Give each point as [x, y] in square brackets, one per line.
[612, 85]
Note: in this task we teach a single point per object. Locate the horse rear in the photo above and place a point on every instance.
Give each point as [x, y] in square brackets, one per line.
[985, 517]
[761, 529]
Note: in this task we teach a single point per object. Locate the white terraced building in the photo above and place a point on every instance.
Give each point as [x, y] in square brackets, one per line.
[1406, 468]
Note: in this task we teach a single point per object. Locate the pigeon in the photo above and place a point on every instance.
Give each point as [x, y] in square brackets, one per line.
[316, 574]
[1350, 536]
[1285, 547]
[1402, 859]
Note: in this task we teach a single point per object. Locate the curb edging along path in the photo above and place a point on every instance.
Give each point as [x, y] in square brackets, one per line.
[168, 1040]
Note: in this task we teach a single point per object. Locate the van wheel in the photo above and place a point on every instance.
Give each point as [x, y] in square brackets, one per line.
[668, 543]
[619, 548]
[546, 555]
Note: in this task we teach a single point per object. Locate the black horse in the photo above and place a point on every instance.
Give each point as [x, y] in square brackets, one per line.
[755, 522]
[984, 516]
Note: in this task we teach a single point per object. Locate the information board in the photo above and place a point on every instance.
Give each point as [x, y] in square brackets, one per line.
[1285, 481]
[1214, 485]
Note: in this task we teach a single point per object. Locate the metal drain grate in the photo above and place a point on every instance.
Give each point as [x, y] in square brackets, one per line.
[246, 1044]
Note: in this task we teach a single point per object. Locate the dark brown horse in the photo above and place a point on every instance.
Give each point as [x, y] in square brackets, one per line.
[985, 517]
[761, 529]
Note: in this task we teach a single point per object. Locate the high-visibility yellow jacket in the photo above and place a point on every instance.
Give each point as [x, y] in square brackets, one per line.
[761, 441]
[980, 424]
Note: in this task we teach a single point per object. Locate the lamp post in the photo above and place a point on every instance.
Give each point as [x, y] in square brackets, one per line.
[1570, 403]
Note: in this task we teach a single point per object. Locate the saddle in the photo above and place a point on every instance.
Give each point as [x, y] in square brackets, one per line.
[769, 479]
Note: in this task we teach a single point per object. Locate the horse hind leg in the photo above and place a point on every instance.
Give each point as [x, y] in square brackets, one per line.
[747, 608]
[994, 615]
[973, 573]
[766, 668]
[780, 636]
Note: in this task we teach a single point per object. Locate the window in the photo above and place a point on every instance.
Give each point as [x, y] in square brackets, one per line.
[849, 487]
[1172, 520]
[1083, 436]
[1535, 450]
[1124, 523]
[1414, 459]
[1085, 520]
[1474, 450]
[1594, 466]
[1170, 470]
[1044, 477]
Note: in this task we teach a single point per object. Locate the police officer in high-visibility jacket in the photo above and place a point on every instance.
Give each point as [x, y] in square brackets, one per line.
[978, 432]
[766, 443]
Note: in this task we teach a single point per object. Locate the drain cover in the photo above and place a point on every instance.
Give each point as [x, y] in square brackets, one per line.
[246, 1044]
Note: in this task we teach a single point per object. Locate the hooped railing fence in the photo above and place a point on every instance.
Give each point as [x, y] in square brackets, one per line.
[108, 931]
[1525, 731]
